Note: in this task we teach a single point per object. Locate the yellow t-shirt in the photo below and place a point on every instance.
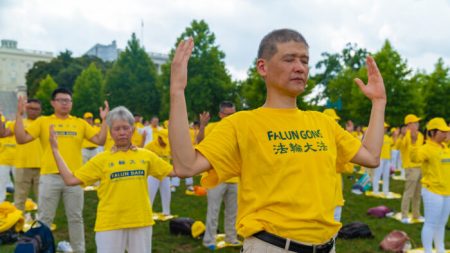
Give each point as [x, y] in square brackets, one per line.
[109, 143]
[193, 133]
[7, 150]
[163, 152]
[70, 131]
[435, 160]
[27, 155]
[386, 148]
[404, 145]
[122, 193]
[208, 130]
[89, 144]
[137, 138]
[286, 160]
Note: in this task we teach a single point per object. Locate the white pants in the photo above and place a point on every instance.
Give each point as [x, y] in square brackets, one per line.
[383, 171]
[338, 213]
[164, 190]
[134, 240]
[88, 154]
[437, 210]
[4, 180]
[176, 181]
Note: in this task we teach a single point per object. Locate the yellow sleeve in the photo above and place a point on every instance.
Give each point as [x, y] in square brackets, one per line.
[89, 131]
[35, 128]
[91, 171]
[418, 154]
[346, 144]
[220, 148]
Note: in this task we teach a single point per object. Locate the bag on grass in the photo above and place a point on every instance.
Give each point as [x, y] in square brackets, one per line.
[396, 241]
[181, 226]
[362, 185]
[38, 239]
[355, 230]
[379, 211]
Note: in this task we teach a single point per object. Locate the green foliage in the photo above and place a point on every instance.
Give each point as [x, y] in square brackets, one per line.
[208, 80]
[436, 89]
[63, 68]
[253, 89]
[402, 93]
[44, 94]
[88, 91]
[132, 81]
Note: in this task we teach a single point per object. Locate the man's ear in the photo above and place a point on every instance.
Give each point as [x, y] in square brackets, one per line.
[261, 67]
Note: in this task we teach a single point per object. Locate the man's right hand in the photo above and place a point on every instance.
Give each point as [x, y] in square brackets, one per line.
[178, 71]
[21, 104]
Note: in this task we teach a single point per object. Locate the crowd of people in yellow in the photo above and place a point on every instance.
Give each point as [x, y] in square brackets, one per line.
[258, 162]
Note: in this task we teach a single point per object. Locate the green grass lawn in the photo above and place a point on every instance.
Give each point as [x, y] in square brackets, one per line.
[195, 207]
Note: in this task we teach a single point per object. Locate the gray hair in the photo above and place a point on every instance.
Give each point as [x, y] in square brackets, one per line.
[268, 45]
[119, 113]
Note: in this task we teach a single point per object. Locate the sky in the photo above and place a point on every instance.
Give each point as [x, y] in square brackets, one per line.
[418, 29]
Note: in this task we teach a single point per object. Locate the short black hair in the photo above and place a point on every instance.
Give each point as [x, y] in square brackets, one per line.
[34, 100]
[61, 90]
[268, 45]
[225, 104]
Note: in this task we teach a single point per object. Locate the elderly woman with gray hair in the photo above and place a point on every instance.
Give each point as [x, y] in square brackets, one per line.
[124, 215]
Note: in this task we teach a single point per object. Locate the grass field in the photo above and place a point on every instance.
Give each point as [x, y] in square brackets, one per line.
[195, 207]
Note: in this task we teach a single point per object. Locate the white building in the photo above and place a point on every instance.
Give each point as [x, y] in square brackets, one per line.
[111, 53]
[14, 65]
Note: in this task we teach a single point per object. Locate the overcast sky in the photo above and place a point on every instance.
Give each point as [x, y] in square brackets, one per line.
[418, 29]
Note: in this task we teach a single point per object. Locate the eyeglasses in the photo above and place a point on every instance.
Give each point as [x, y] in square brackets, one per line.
[63, 100]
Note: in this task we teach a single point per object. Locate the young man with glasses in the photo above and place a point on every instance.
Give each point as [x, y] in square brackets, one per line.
[71, 132]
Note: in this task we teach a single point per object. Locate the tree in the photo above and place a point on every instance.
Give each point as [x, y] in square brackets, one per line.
[350, 60]
[436, 90]
[63, 68]
[253, 89]
[208, 80]
[88, 92]
[44, 94]
[132, 81]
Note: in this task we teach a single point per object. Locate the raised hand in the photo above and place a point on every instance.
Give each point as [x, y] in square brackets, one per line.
[374, 89]
[178, 70]
[21, 104]
[349, 126]
[104, 111]
[204, 118]
[53, 138]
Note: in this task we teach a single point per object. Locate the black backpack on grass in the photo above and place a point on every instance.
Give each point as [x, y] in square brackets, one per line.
[355, 230]
[181, 226]
[38, 239]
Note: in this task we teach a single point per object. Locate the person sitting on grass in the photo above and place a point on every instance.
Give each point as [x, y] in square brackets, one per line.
[124, 214]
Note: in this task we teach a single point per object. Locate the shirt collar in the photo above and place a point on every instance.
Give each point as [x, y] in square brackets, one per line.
[132, 147]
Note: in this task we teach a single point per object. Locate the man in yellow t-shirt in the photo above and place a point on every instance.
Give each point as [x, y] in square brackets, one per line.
[285, 158]
[28, 159]
[71, 131]
[160, 146]
[226, 191]
[7, 155]
[411, 195]
[90, 149]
